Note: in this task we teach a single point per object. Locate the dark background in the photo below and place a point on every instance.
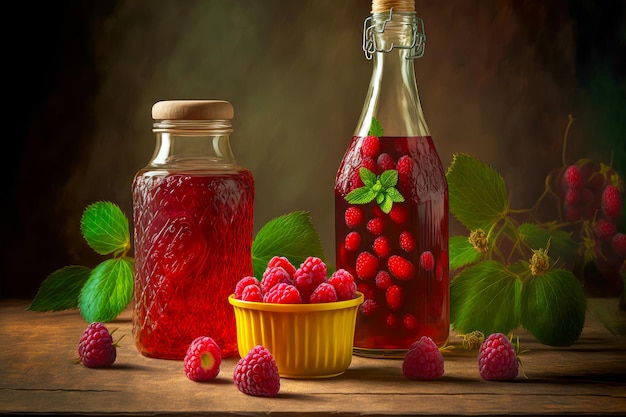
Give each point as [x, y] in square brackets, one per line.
[498, 81]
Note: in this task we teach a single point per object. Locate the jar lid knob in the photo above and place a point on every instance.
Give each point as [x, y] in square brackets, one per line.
[193, 110]
[381, 6]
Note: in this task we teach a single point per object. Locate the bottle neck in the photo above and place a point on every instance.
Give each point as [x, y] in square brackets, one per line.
[393, 40]
[193, 145]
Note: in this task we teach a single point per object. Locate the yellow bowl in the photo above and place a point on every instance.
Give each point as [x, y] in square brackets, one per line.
[306, 340]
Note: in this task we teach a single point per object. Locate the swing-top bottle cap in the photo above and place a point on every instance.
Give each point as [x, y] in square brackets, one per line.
[382, 6]
[193, 110]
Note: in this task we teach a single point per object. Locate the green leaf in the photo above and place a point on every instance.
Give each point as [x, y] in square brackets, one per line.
[485, 297]
[389, 178]
[368, 177]
[105, 228]
[553, 307]
[362, 195]
[394, 194]
[376, 129]
[108, 290]
[386, 204]
[462, 253]
[562, 245]
[477, 193]
[61, 289]
[291, 235]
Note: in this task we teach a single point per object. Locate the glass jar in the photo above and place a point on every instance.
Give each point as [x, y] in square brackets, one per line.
[391, 198]
[193, 224]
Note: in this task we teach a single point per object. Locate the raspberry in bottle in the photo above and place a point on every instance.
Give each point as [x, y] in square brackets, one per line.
[391, 197]
[193, 230]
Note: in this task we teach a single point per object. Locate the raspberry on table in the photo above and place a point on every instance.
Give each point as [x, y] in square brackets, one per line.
[497, 360]
[274, 275]
[353, 216]
[427, 260]
[370, 146]
[96, 348]
[256, 374]
[324, 293]
[381, 247]
[344, 284]
[611, 201]
[423, 361]
[243, 283]
[283, 293]
[203, 359]
[366, 265]
[400, 267]
[284, 263]
[394, 297]
[252, 293]
[310, 274]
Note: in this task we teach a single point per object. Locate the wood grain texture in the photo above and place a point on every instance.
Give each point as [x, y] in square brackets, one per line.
[38, 376]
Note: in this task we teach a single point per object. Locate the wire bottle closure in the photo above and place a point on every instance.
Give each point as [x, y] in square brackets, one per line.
[371, 28]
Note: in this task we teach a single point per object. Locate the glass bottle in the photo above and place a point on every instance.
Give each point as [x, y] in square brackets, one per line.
[392, 233]
[193, 224]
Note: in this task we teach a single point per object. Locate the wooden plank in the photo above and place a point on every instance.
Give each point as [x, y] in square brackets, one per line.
[38, 375]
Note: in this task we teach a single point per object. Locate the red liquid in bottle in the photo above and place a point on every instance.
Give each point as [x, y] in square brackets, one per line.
[402, 308]
[193, 238]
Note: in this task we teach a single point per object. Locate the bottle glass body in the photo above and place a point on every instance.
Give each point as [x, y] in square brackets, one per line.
[193, 224]
[399, 257]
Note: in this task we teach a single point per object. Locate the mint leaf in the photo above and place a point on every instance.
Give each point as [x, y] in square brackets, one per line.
[376, 129]
[105, 228]
[291, 235]
[462, 253]
[361, 195]
[553, 307]
[389, 178]
[477, 193]
[108, 290]
[394, 194]
[562, 245]
[485, 297]
[368, 177]
[61, 289]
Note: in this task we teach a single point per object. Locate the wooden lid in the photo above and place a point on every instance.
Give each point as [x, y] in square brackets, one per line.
[381, 6]
[193, 110]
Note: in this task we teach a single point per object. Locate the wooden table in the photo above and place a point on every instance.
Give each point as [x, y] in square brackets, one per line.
[38, 376]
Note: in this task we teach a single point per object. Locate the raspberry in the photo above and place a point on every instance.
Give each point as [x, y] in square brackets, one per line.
[310, 274]
[572, 196]
[394, 297]
[369, 307]
[497, 360]
[274, 275]
[573, 176]
[353, 216]
[243, 283]
[604, 229]
[385, 162]
[391, 320]
[409, 321]
[407, 242]
[618, 244]
[381, 247]
[283, 294]
[284, 263]
[344, 284]
[400, 268]
[370, 146]
[96, 348]
[427, 261]
[203, 359]
[423, 361]
[367, 291]
[252, 293]
[369, 163]
[366, 265]
[377, 211]
[256, 374]
[352, 241]
[383, 280]
[324, 293]
[376, 226]
[399, 213]
[611, 201]
[405, 171]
